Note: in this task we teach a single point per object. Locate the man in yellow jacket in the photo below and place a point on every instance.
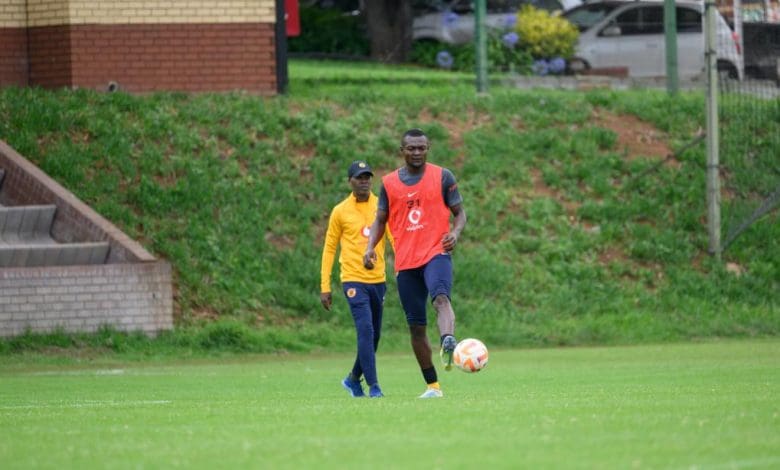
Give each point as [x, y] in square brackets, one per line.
[348, 227]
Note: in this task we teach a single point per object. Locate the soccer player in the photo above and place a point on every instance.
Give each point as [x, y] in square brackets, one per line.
[415, 202]
[348, 227]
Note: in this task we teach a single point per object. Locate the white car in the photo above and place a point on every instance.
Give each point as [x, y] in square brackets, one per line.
[452, 22]
[630, 34]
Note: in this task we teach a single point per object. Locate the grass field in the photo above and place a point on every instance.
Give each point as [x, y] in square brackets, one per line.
[709, 405]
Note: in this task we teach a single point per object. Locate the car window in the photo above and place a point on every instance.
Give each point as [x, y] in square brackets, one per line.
[652, 20]
[503, 6]
[628, 22]
[461, 6]
[512, 6]
[548, 5]
[688, 20]
[640, 21]
[586, 16]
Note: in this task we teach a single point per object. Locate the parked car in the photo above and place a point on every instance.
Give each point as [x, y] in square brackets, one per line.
[762, 50]
[452, 22]
[630, 34]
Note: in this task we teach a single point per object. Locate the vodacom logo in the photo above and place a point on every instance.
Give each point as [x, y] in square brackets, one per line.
[414, 216]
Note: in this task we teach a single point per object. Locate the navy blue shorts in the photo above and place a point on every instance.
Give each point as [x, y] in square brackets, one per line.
[416, 286]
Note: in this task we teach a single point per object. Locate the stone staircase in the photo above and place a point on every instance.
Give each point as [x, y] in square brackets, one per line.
[26, 241]
[65, 267]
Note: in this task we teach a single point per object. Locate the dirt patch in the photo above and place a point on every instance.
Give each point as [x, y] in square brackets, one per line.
[205, 313]
[610, 254]
[636, 138]
[540, 189]
[456, 128]
[280, 242]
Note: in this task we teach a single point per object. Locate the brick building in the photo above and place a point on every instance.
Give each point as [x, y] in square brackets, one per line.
[140, 45]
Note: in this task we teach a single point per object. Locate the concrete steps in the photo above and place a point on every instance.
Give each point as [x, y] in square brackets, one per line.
[26, 224]
[26, 241]
[53, 254]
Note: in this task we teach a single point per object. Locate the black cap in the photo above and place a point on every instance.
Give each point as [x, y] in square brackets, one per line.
[358, 168]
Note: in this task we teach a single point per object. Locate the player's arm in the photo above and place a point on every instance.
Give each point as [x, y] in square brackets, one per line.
[451, 238]
[390, 238]
[454, 201]
[332, 237]
[378, 228]
[375, 234]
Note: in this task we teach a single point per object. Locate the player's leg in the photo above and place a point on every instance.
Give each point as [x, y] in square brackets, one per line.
[376, 299]
[364, 365]
[414, 298]
[421, 346]
[438, 280]
[413, 295]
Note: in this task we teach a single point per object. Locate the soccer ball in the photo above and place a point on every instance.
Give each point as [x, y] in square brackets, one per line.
[470, 355]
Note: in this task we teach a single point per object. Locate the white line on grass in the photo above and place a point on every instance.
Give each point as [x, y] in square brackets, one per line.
[86, 404]
[745, 463]
[79, 372]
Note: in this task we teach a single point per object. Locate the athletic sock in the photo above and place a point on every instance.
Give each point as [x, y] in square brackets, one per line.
[430, 375]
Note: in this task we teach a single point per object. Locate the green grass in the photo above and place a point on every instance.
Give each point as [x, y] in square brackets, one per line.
[565, 244]
[711, 405]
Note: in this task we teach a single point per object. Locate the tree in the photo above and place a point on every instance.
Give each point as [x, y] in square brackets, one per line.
[389, 24]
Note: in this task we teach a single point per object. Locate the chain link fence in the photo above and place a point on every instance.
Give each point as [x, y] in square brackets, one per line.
[749, 127]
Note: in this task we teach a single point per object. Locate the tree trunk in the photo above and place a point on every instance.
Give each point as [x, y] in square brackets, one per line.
[389, 25]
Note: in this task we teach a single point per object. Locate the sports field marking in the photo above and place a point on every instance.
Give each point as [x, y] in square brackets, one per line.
[78, 372]
[85, 404]
[736, 464]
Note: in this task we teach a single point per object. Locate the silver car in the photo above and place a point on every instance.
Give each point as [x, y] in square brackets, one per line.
[630, 35]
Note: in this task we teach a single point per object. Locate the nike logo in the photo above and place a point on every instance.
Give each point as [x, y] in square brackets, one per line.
[411, 194]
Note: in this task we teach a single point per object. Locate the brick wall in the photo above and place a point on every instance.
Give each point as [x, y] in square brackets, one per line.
[13, 13]
[13, 43]
[183, 57]
[47, 12]
[13, 56]
[59, 12]
[133, 291]
[49, 56]
[140, 45]
[128, 297]
[158, 11]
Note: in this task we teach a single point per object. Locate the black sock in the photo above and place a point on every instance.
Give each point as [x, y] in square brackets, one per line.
[441, 339]
[430, 375]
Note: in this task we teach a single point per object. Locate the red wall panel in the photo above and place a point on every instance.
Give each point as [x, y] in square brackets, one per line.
[13, 56]
[151, 57]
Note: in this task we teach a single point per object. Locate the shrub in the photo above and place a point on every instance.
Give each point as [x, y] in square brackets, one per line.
[503, 55]
[330, 31]
[544, 35]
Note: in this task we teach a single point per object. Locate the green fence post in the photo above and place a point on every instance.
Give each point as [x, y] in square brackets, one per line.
[670, 30]
[480, 43]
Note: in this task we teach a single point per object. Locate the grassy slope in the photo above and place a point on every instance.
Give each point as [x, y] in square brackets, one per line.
[562, 245]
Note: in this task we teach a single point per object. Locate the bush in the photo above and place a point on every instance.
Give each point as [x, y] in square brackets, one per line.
[544, 35]
[330, 31]
[503, 56]
[539, 43]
